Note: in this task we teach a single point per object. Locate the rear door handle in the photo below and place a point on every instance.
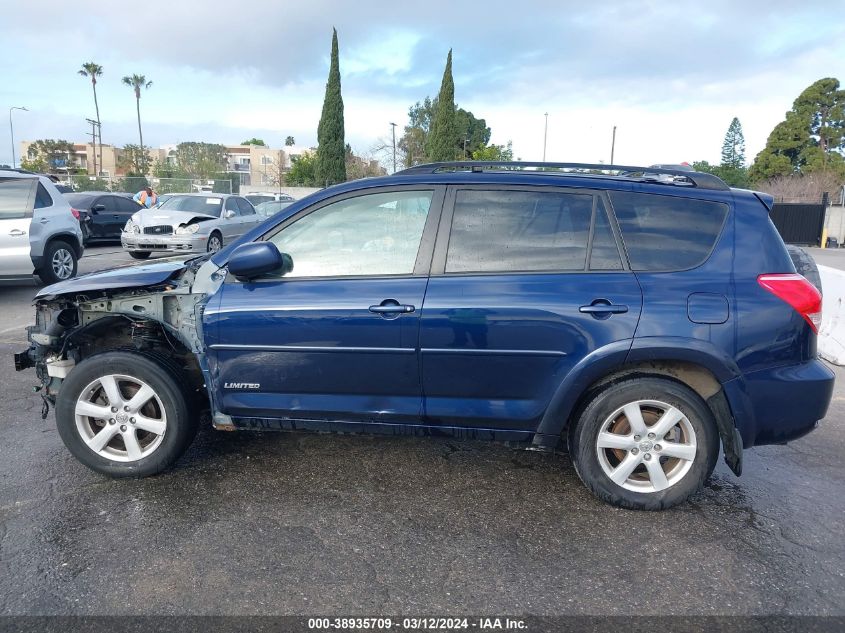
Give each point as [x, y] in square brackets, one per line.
[16, 232]
[602, 309]
[45, 220]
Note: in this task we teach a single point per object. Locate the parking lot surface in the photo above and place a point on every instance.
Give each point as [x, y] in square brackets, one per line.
[276, 523]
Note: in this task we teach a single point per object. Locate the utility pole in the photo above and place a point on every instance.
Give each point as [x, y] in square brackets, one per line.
[94, 125]
[613, 145]
[545, 135]
[12, 130]
[393, 131]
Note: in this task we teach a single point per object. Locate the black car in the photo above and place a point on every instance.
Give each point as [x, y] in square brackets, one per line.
[102, 215]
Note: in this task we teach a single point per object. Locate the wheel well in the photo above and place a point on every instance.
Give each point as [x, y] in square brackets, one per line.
[120, 333]
[65, 237]
[696, 377]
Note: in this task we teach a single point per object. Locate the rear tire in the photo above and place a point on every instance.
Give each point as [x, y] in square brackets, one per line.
[139, 254]
[654, 462]
[113, 430]
[59, 262]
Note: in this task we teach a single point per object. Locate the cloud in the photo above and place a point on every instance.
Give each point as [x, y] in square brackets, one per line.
[263, 65]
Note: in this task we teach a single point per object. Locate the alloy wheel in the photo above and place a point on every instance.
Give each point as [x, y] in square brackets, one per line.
[62, 263]
[646, 446]
[120, 418]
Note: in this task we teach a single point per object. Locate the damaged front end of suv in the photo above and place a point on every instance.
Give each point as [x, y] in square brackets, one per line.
[154, 310]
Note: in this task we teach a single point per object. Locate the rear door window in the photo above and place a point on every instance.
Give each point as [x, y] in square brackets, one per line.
[15, 198]
[513, 231]
[666, 233]
[245, 207]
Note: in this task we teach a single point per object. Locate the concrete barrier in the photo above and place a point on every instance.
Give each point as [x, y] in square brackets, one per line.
[831, 342]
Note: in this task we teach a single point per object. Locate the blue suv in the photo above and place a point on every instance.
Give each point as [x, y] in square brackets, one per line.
[641, 317]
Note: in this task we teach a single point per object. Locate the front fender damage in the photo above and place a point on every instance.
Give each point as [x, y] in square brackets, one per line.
[164, 319]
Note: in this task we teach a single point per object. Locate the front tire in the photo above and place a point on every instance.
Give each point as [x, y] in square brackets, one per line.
[215, 242]
[139, 254]
[124, 414]
[645, 443]
[59, 262]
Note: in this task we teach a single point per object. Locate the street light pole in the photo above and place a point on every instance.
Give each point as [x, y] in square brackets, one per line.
[12, 130]
[393, 131]
[545, 135]
[613, 145]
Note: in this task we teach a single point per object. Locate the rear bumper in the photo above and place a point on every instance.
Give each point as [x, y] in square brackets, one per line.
[774, 406]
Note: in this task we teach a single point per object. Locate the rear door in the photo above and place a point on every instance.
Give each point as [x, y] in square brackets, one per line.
[17, 196]
[124, 208]
[525, 283]
[249, 218]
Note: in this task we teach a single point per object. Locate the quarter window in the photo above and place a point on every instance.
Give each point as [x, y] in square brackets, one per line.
[375, 234]
[665, 232]
[42, 197]
[509, 231]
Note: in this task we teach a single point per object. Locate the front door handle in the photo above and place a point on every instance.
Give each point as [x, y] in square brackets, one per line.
[16, 232]
[602, 309]
[391, 307]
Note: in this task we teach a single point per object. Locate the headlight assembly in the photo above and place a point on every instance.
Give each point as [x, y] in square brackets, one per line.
[187, 230]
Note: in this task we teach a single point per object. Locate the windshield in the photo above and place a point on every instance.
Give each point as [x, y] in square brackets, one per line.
[209, 205]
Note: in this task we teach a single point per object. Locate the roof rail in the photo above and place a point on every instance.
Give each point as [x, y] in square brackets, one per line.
[648, 174]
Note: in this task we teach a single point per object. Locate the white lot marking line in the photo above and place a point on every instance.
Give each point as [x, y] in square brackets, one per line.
[15, 327]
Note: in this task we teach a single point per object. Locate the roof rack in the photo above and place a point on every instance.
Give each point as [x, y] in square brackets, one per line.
[646, 174]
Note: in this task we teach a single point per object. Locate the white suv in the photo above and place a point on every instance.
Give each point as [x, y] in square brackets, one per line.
[39, 231]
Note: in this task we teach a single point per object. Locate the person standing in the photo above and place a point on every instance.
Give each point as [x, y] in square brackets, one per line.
[146, 197]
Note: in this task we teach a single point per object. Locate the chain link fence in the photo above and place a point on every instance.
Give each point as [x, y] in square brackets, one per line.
[133, 184]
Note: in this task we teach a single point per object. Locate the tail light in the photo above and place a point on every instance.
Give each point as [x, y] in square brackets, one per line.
[797, 292]
[74, 213]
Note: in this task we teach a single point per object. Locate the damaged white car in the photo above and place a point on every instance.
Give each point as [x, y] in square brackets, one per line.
[192, 223]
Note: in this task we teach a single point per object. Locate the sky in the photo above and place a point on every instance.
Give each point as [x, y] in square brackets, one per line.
[669, 75]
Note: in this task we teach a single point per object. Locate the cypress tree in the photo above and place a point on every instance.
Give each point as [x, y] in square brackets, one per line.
[441, 142]
[330, 166]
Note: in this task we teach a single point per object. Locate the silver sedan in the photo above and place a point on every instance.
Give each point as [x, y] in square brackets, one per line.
[191, 222]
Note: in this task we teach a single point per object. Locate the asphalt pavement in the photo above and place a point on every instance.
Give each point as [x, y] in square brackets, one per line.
[274, 523]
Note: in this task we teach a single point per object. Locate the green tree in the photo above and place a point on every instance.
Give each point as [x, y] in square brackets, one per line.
[303, 170]
[810, 138]
[200, 160]
[733, 148]
[93, 71]
[290, 142]
[136, 82]
[733, 176]
[50, 156]
[168, 169]
[494, 152]
[440, 144]
[133, 160]
[472, 133]
[412, 143]
[254, 141]
[330, 166]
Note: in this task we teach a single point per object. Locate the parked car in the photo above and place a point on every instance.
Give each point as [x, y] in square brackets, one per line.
[102, 215]
[619, 316]
[260, 198]
[189, 222]
[266, 209]
[39, 231]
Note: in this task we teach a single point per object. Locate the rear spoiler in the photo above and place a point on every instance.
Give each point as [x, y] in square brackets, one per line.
[767, 199]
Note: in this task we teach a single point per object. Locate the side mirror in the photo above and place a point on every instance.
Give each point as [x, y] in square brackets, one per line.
[252, 260]
[228, 215]
[98, 207]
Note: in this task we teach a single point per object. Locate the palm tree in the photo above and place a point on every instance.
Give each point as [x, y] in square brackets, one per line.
[93, 71]
[136, 82]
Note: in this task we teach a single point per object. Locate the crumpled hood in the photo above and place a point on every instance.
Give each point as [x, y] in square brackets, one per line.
[128, 277]
[153, 217]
